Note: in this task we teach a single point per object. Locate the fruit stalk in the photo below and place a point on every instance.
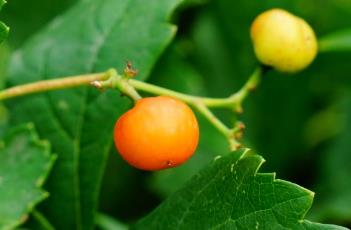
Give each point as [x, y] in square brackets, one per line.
[50, 85]
[129, 87]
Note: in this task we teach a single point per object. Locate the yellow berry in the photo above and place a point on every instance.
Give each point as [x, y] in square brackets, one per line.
[283, 40]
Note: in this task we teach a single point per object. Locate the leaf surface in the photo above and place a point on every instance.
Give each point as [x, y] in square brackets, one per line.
[231, 194]
[25, 162]
[336, 41]
[333, 186]
[3, 28]
[92, 36]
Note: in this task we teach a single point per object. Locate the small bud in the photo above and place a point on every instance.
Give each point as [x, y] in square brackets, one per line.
[283, 40]
[129, 71]
[241, 125]
[96, 84]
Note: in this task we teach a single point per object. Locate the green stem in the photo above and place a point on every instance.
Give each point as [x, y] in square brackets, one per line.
[127, 86]
[157, 90]
[42, 221]
[228, 133]
[108, 223]
[49, 85]
[111, 78]
[119, 82]
[212, 118]
[250, 85]
[234, 101]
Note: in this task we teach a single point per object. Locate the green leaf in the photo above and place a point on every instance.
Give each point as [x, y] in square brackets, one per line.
[333, 187]
[231, 194]
[25, 162]
[3, 28]
[27, 17]
[108, 223]
[38, 221]
[92, 36]
[336, 41]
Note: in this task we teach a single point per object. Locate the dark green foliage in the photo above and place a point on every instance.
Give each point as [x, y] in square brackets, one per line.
[300, 123]
[3, 28]
[231, 194]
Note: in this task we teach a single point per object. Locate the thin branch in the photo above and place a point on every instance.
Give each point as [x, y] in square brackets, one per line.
[129, 87]
[49, 85]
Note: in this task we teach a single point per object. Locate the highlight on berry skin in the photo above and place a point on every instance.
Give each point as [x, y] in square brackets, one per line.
[283, 41]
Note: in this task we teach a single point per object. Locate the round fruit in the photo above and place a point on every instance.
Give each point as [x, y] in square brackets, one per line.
[157, 133]
[283, 40]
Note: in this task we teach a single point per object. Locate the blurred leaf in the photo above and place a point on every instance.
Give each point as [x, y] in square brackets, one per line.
[124, 194]
[334, 187]
[92, 36]
[336, 41]
[230, 194]
[27, 17]
[3, 31]
[25, 162]
[315, 133]
[108, 223]
[38, 221]
[174, 72]
[192, 3]
[3, 28]
[4, 56]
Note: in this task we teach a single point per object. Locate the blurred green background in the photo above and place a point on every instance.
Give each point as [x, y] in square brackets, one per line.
[300, 123]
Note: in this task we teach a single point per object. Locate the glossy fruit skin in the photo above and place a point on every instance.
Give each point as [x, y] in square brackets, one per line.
[283, 40]
[157, 133]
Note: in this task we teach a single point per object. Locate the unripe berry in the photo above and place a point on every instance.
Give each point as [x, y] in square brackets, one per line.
[157, 133]
[283, 40]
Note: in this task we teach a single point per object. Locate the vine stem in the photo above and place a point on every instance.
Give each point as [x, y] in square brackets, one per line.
[129, 87]
[227, 132]
[233, 102]
[49, 85]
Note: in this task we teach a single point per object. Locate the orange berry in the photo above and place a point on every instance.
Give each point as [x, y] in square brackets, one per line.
[157, 133]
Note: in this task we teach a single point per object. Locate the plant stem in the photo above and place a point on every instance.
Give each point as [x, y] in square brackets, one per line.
[54, 84]
[212, 118]
[228, 133]
[117, 81]
[106, 222]
[127, 86]
[250, 85]
[234, 101]
[153, 89]
[42, 221]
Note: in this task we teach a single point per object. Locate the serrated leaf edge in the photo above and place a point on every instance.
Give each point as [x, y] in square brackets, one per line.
[44, 144]
[310, 194]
